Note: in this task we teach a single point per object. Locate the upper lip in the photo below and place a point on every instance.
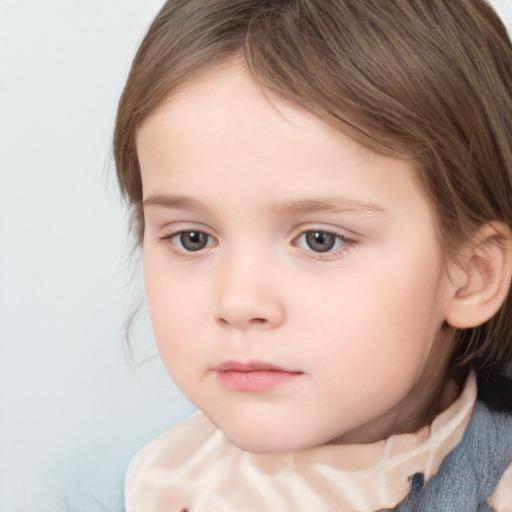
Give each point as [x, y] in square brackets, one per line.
[252, 366]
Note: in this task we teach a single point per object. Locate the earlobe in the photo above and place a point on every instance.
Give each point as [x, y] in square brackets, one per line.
[481, 279]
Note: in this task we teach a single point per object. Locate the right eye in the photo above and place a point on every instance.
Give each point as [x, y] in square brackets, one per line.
[320, 241]
[190, 241]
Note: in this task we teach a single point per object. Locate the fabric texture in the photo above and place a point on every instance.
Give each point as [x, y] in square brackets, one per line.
[471, 472]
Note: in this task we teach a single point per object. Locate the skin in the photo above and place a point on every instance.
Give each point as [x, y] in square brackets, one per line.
[360, 324]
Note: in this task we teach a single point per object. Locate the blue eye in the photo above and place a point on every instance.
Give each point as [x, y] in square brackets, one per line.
[191, 241]
[320, 241]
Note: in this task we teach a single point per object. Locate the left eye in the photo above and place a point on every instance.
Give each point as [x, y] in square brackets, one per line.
[320, 241]
[191, 241]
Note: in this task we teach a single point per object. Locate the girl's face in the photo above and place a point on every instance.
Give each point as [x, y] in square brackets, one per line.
[294, 278]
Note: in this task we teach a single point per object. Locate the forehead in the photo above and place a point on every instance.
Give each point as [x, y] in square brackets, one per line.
[228, 95]
[222, 131]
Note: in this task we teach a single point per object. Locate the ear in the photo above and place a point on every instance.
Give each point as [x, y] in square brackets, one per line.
[481, 278]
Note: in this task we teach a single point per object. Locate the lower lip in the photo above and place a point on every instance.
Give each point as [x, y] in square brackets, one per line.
[257, 380]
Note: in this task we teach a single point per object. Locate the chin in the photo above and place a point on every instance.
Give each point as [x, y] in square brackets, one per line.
[261, 446]
[268, 442]
[266, 431]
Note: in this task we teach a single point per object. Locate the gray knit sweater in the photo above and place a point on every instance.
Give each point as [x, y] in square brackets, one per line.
[470, 473]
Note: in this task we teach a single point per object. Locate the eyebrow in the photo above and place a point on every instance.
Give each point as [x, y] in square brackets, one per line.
[332, 203]
[175, 202]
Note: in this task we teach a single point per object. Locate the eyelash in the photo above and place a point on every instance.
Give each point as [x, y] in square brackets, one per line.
[343, 243]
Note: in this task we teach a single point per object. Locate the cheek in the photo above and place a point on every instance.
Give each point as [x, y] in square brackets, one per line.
[176, 312]
[371, 347]
[375, 316]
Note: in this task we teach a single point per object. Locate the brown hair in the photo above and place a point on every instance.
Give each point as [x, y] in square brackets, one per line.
[429, 81]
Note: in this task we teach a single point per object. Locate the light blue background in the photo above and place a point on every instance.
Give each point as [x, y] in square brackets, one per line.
[72, 410]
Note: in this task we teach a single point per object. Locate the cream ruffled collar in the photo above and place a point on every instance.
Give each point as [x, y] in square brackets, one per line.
[194, 466]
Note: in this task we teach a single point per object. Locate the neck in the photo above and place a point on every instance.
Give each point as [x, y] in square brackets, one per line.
[434, 391]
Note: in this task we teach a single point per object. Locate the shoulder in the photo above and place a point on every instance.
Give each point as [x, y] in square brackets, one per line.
[158, 462]
[498, 426]
[496, 392]
[501, 498]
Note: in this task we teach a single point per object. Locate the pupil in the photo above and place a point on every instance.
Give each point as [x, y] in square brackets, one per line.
[193, 240]
[320, 241]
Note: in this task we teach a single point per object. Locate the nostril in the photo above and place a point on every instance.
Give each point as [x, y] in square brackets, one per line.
[258, 321]
[252, 321]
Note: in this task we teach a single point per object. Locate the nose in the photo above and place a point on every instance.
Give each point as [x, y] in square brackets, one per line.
[249, 297]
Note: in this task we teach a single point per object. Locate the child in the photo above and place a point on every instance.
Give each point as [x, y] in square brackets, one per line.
[322, 192]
